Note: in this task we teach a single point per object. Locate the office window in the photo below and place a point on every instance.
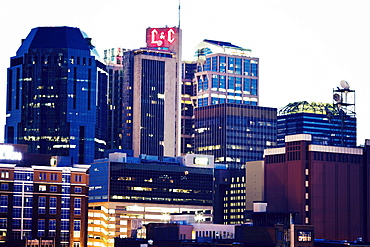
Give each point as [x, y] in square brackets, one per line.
[3, 204]
[4, 174]
[77, 206]
[3, 223]
[42, 187]
[42, 201]
[65, 214]
[76, 228]
[52, 224]
[42, 176]
[4, 186]
[77, 225]
[41, 228]
[54, 176]
[27, 224]
[16, 223]
[27, 213]
[78, 190]
[28, 201]
[66, 202]
[53, 188]
[64, 236]
[78, 178]
[53, 202]
[17, 201]
[222, 64]
[304, 236]
[64, 225]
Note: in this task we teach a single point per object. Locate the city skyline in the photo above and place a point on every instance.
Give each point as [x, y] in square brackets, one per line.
[305, 49]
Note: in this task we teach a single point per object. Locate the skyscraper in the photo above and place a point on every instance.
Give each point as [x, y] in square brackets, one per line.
[187, 107]
[228, 122]
[52, 98]
[234, 133]
[151, 101]
[114, 60]
[226, 73]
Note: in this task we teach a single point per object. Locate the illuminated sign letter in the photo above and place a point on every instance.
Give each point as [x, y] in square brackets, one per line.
[170, 36]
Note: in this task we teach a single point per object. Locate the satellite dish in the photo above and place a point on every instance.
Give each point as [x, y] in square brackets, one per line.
[344, 84]
[337, 98]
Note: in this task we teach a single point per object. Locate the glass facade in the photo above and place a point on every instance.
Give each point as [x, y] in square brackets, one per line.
[234, 133]
[326, 125]
[152, 106]
[152, 181]
[149, 102]
[114, 60]
[51, 94]
[187, 107]
[227, 79]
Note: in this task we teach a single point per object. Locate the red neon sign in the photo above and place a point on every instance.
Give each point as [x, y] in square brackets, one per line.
[161, 37]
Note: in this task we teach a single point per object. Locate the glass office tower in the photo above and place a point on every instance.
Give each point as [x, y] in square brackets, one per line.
[52, 98]
[234, 133]
[226, 73]
[150, 102]
[187, 107]
[326, 124]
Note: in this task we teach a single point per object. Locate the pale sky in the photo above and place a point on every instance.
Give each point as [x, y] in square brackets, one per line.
[305, 47]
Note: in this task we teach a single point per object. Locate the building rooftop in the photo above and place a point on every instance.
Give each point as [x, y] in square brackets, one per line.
[221, 43]
[56, 37]
[306, 107]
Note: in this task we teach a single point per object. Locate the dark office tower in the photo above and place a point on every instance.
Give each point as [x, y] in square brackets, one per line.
[187, 107]
[230, 196]
[234, 133]
[149, 103]
[226, 73]
[114, 61]
[52, 98]
[326, 124]
[151, 98]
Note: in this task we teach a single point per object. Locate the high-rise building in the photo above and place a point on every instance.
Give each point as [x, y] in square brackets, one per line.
[326, 124]
[128, 192]
[228, 122]
[187, 107]
[113, 58]
[52, 97]
[39, 201]
[149, 104]
[234, 133]
[152, 90]
[226, 73]
[326, 185]
[229, 199]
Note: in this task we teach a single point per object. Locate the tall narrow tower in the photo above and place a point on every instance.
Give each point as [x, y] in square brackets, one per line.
[52, 100]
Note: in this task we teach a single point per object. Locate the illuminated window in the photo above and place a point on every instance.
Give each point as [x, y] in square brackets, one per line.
[42, 187]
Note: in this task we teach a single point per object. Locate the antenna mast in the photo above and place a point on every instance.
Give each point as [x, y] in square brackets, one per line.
[179, 12]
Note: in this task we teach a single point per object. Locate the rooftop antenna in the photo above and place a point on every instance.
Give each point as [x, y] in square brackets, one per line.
[179, 11]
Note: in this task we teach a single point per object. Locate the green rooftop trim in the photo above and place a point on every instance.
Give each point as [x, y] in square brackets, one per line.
[305, 107]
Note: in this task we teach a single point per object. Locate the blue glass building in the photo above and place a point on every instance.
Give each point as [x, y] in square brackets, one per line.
[52, 98]
[226, 73]
[327, 124]
[234, 133]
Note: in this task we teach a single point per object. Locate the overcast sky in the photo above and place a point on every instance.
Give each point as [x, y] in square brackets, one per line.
[305, 47]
